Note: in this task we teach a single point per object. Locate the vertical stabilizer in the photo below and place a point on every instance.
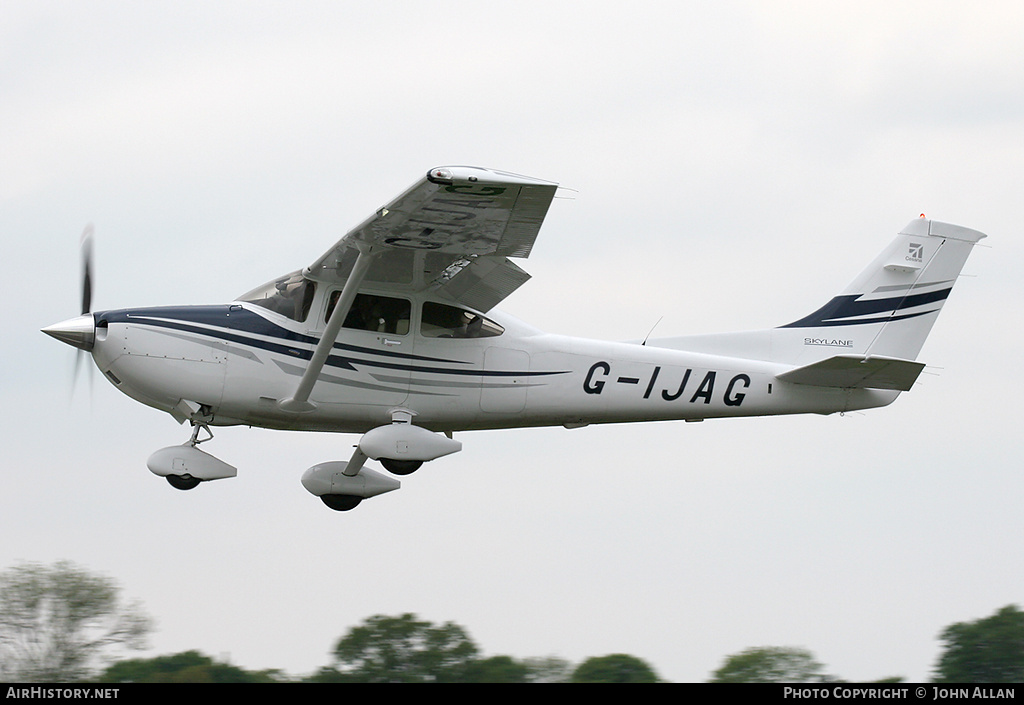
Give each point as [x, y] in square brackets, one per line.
[890, 308]
[886, 312]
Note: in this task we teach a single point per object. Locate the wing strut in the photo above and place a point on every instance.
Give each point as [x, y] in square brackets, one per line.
[299, 401]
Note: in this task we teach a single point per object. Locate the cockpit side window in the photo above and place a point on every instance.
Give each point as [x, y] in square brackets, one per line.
[291, 296]
[382, 314]
[443, 321]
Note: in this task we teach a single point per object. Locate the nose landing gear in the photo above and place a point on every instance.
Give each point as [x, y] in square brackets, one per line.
[185, 466]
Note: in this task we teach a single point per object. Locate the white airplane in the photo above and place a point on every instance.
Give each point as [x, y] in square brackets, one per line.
[391, 334]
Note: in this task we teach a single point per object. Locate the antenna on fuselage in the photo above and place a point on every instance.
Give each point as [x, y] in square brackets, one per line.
[651, 331]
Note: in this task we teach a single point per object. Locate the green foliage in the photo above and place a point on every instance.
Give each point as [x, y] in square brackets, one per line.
[615, 668]
[770, 664]
[185, 667]
[496, 669]
[403, 650]
[57, 622]
[548, 669]
[990, 650]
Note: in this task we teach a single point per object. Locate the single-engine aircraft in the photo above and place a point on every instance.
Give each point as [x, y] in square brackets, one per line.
[392, 334]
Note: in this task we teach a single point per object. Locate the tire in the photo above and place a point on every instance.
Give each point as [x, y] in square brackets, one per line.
[341, 502]
[401, 467]
[183, 482]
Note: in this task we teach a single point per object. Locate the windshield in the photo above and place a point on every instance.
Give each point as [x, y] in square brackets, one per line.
[290, 296]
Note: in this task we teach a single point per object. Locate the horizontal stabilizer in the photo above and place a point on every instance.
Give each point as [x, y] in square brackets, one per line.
[857, 372]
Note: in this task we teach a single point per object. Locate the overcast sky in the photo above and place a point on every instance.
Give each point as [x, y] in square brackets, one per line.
[733, 165]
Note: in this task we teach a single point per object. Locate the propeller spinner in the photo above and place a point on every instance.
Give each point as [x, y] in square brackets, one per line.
[80, 331]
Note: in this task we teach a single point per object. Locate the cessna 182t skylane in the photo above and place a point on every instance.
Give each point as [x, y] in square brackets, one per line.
[391, 334]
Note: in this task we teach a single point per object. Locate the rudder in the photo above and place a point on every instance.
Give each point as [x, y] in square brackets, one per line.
[889, 310]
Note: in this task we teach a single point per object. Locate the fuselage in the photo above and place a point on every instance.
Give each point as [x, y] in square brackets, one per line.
[236, 362]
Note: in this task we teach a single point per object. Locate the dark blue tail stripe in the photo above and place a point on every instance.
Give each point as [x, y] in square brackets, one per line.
[849, 310]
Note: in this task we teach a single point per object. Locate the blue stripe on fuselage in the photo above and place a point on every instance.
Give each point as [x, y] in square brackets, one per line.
[231, 323]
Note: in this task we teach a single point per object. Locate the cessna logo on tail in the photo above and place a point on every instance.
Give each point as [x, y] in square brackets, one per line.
[916, 253]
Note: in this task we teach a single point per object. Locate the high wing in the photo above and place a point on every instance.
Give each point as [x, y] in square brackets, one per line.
[453, 232]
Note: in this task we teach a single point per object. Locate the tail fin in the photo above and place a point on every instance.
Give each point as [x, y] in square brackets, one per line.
[890, 308]
[870, 334]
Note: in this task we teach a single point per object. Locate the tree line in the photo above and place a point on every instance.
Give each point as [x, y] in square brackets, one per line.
[63, 624]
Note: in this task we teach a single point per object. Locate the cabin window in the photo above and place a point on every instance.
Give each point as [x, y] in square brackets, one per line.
[443, 321]
[382, 314]
[290, 296]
